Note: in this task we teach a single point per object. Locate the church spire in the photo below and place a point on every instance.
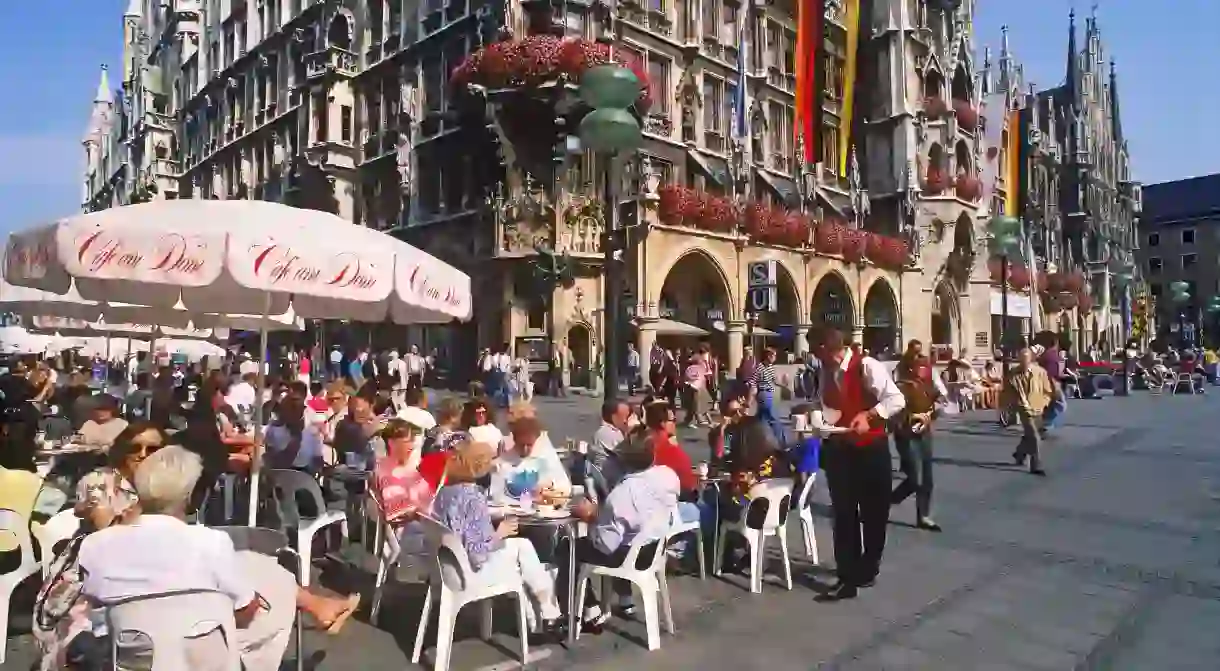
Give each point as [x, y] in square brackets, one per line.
[103, 94]
[1072, 82]
[1115, 119]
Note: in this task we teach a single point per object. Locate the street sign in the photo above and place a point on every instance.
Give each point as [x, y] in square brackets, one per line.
[761, 274]
[762, 299]
[762, 295]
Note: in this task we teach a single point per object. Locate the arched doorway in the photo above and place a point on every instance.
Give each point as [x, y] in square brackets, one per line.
[944, 320]
[832, 307]
[881, 319]
[580, 353]
[785, 319]
[694, 306]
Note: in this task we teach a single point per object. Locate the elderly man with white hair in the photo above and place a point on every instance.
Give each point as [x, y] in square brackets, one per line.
[158, 552]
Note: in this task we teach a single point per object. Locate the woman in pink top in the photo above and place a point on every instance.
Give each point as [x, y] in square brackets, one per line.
[401, 490]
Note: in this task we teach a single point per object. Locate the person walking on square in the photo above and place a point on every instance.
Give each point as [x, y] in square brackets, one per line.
[859, 396]
[1028, 390]
[925, 395]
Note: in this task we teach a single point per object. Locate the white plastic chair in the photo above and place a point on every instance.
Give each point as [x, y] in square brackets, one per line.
[390, 558]
[1187, 379]
[458, 584]
[17, 528]
[677, 527]
[169, 621]
[649, 583]
[285, 485]
[61, 527]
[769, 500]
[805, 515]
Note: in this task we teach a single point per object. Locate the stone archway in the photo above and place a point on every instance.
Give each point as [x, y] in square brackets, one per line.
[832, 306]
[580, 353]
[696, 292]
[881, 319]
[946, 318]
[786, 318]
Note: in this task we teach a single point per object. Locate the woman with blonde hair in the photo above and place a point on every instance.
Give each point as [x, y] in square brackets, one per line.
[492, 547]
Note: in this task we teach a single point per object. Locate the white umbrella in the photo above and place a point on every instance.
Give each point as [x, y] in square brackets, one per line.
[239, 256]
[18, 340]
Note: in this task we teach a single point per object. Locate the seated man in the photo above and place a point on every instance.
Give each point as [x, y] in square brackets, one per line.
[158, 552]
[636, 511]
[104, 423]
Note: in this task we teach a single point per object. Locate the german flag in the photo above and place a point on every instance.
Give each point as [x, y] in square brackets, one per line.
[810, 68]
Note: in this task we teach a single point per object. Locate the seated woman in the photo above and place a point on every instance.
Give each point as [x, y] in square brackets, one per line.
[756, 459]
[492, 550]
[292, 443]
[357, 439]
[448, 431]
[104, 424]
[404, 483]
[150, 549]
[527, 464]
[479, 420]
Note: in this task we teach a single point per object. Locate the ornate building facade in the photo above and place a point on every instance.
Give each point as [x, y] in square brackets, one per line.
[390, 114]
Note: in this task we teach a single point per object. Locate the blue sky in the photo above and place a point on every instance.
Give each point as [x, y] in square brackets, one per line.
[51, 51]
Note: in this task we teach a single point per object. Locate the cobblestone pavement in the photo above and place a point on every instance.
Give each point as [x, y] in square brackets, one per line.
[1112, 562]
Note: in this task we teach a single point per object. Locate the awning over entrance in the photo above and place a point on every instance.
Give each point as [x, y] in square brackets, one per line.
[1018, 304]
[714, 168]
[758, 331]
[670, 327]
[785, 189]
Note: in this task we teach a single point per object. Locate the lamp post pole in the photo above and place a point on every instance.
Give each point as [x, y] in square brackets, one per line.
[1004, 237]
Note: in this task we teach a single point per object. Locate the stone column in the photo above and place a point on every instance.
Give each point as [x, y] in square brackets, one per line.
[857, 332]
[647, 336]
[801, 341]
[737, 334]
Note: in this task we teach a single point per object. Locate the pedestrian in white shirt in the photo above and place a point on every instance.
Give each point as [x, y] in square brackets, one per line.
[242, 396]
[416, 366]
[247, 365]
[398, 376]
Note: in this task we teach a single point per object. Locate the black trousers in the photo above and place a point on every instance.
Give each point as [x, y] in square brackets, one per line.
[915, 456]
[858, 477]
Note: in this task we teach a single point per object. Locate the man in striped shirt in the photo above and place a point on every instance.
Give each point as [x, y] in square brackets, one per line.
[762, 390]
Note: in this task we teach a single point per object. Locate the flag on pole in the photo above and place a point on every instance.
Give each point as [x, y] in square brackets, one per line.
[852, 18]
[810, 50]
[740, 127]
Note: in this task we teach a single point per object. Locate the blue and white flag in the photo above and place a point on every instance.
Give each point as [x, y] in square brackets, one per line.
[740, 127]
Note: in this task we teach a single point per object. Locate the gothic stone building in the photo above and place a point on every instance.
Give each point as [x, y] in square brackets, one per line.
[348, 106]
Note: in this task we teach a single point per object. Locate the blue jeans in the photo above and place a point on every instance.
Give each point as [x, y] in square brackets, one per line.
[766, 413]
[1054, 412]
[499, 389]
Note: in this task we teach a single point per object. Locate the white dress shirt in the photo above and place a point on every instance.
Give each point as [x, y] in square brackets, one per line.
[156, 554]
[638, 508]
[241, 395]
[876, 379]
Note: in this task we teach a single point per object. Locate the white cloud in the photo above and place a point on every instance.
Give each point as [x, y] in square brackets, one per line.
[40, 160]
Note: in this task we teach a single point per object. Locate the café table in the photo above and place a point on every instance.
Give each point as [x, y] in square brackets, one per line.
[565, 524]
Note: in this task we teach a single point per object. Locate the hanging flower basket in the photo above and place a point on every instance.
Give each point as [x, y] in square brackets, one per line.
[1084, 301]
[967, 115]
[1074, 281]
[541, 59]
[969, 188]
[673, 204]
[855, 244]
[797, 229]
[935, 182]
[1067, 301]
[829, 237]
[1054, 283]
[1019, 277]
[934, 107]
[890, 253]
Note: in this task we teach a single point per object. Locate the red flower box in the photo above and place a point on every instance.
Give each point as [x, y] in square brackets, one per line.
[829, 237]
[935, 182]
[1019, 277]
[967, 115]
[718, 214]
[995, 266]
[888, 252]
[539, 59]
[969, 188]
[1074, 281]
[1084, 301]
[1054, 283]
[855, 244]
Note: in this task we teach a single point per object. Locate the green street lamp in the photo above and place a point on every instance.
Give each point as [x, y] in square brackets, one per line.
[1004, 240]
[611, 128]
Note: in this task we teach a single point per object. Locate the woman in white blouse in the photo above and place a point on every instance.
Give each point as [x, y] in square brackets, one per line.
[479, 420]
[528, 463]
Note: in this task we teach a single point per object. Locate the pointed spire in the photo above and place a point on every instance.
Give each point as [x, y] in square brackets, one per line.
[1115, 120]
[1072, 80]
[1005, 78]
[133, 10]
[103, 94]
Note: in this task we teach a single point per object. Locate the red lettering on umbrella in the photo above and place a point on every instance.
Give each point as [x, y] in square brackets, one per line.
[174, 256]
[421, 284]
[30, 260]
[278, 264]
[352, 272]
[100, 251]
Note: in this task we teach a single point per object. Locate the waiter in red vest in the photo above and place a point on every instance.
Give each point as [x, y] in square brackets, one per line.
[858, 393]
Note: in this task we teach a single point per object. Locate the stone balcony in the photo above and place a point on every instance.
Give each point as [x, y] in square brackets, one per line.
[331, 60]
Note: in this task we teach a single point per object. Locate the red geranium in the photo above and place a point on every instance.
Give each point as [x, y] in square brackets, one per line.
[539, 59]
[719, 214]
[828, 237]
[855, 244]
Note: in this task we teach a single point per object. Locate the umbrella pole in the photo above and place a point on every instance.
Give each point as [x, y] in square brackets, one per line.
[257, 459]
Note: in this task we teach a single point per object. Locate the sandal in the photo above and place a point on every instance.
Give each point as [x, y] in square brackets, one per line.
[336, 625]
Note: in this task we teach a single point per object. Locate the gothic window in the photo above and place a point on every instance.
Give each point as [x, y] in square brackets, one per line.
[339, 32]
[961, 156]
